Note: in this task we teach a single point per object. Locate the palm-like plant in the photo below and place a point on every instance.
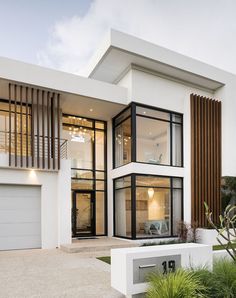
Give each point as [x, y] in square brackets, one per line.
[227, 229]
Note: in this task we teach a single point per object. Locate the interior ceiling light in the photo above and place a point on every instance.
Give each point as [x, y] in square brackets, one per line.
[78, 138]
[150, 193]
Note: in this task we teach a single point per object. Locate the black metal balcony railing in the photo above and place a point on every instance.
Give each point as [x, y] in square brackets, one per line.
[37, 152]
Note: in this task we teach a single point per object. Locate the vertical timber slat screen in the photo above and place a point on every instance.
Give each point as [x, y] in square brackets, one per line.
[34, 128]
[205, 157]
[27, 127]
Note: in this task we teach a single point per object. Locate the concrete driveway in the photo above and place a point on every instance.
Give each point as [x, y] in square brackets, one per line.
[53, 273]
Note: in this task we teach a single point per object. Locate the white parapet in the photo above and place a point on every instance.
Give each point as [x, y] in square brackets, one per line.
[221, 254]
[209, 236]
[131, 266]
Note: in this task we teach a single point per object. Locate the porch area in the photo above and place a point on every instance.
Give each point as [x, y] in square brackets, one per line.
[98, 244]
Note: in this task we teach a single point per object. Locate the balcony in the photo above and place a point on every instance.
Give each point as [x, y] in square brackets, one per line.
[26, 151]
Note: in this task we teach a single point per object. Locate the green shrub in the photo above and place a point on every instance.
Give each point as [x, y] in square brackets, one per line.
[180, 284]
[224, 279]
[220, 283]
[206, 278]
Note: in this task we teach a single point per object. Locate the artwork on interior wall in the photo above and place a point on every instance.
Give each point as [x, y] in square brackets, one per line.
[141, 205]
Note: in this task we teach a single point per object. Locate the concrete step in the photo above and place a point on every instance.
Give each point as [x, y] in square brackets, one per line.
[96, 245]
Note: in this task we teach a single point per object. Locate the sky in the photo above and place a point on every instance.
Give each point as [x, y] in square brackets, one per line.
[64, 34]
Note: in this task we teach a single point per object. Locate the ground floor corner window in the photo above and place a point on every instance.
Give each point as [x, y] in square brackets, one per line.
[149, 207]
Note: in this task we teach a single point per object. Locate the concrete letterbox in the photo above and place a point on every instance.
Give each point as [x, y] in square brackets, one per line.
[131, 266]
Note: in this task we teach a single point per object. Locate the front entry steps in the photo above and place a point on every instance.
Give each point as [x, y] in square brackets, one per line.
[96, 245]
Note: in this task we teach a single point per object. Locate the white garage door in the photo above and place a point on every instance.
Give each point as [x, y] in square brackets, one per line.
[20, 217]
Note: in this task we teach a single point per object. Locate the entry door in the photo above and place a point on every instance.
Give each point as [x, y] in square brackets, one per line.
[83, 214]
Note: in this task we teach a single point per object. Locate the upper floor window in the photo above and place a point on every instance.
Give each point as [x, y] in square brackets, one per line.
[122, 133]
[148, 135]
[20, 121]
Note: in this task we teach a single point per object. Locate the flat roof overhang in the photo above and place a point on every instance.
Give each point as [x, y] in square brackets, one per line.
[79, 96]
[121, 51]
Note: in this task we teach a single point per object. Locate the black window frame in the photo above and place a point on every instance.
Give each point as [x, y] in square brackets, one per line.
[93, 170]
[133, 114]
[18, 113]
[133, 188]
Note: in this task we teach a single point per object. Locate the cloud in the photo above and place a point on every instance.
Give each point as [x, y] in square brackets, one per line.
[201, 29]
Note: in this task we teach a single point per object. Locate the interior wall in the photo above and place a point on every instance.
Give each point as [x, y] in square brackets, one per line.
[156, 211]
[100, 213]
[156, 151]
[80, 156]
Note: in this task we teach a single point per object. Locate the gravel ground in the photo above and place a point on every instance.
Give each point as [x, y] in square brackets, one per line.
[53, 273]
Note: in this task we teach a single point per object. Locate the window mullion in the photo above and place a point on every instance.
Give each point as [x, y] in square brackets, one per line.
[133, 205]
[171, 206]
[171, 140]
[133, 133]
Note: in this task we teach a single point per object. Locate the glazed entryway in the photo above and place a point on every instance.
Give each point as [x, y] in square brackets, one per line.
[87, 152]
[83, 213]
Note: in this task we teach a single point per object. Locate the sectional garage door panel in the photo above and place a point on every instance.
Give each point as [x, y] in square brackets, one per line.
[10, 243]
[14, 216]
[20, 202]
[20, 217]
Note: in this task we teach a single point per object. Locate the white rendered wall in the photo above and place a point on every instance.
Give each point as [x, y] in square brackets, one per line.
[228, 93]
[64, 202]
[126, 81]
[55, 200]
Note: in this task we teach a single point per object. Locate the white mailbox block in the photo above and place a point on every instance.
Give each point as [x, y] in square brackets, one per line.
[130, 266]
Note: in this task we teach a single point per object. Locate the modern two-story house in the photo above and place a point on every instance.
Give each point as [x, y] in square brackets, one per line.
[129, 150]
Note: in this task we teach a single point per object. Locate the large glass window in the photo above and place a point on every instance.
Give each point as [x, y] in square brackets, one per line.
[153, 141]
[123, 207]
[123, 138]
[19, 114]
[156, 208]
[156, 134]
[87, 152]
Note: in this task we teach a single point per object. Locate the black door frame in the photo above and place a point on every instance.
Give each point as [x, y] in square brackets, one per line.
[93, 219]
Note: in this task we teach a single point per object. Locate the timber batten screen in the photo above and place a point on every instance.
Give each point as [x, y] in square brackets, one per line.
[205, 158]
[34, 128]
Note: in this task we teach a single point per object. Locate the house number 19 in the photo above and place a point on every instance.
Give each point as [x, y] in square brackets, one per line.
[168, 266]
